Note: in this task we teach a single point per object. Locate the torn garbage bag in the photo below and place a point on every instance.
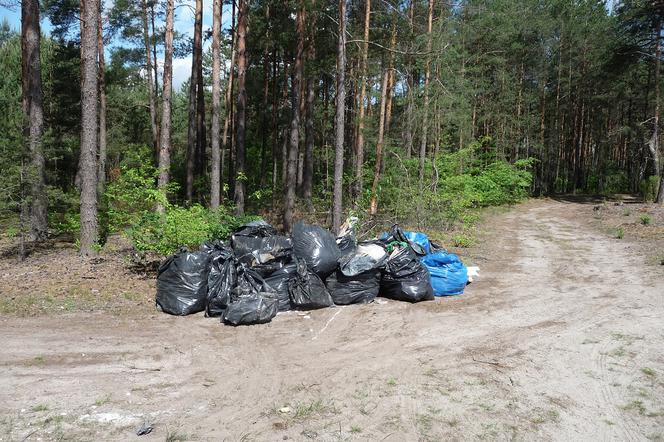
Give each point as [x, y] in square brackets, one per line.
[448, 274]
[307, 291]
[182, 283]
[279, 282]
[317, 246]
[252, 301]
[221, 280]
[405, 278]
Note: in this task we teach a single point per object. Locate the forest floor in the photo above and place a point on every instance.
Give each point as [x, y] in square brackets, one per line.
[560, 338]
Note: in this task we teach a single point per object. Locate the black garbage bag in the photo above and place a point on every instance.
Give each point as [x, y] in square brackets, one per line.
[257, 229]
[398, 235]
[251, 250]
[255, 308]
[182, 283]
[358, 289]
[212, 246]
[252, 300]
[405, 278]
[307, 291]
[279, 282]
[221, 280]
[358, 278]
[317, 246]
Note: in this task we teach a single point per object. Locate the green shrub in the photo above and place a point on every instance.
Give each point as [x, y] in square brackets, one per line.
[620, 233]
[180, 226]
[131, 200]
[645, 219]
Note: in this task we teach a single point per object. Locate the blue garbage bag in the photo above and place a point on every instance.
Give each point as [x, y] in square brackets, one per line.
[448, 274]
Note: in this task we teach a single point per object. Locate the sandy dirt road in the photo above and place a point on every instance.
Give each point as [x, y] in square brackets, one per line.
[562, 338]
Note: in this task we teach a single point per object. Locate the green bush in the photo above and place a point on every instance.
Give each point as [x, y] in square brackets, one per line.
[132, 198]
[180, 226]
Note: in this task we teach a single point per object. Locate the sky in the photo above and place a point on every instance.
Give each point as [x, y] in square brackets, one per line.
[184, 23]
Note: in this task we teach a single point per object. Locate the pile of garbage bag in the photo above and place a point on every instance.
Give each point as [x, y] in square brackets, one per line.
[258, 272]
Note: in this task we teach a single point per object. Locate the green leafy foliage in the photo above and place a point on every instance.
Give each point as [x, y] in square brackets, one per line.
[466, 181]
[132, 198]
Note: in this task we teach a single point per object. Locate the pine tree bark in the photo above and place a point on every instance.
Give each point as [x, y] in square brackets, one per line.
[200, 158]
[228, 100]
[193, 135]
[309, 135]
[359, 140]
[425, 118]
[294, 135]
[215, 175]
[240, 180]
[101, 172]
[654, 141]
[165, 143]
[151, 81]
[339, 121]
[33, 114]
[309, 139]
[373, 206]
[89, 114]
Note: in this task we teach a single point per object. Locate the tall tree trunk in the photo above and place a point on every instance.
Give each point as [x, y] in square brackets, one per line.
[89, 114]
[215, 176]
[411, 86]
[165, 143]
[101, 172]
[33, 118]
[359, 140]
[291, 171]
[151, 82]
[200, 158]
[240, 180]
[425, 119]
[339, 121]
[228, 100]
[264, 112]
[654, 141]
[309, 139]
[309, 135]
[192, 132]
[155, 64]
[373, 207]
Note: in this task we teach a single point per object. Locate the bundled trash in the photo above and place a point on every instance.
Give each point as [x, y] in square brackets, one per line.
[307, 291]
[317, 246]
[221, 280]
[357, 280]
[252, 301]
[448, 274]
[182, 283]
[405, 278]
[279, 281]
[259, 273]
